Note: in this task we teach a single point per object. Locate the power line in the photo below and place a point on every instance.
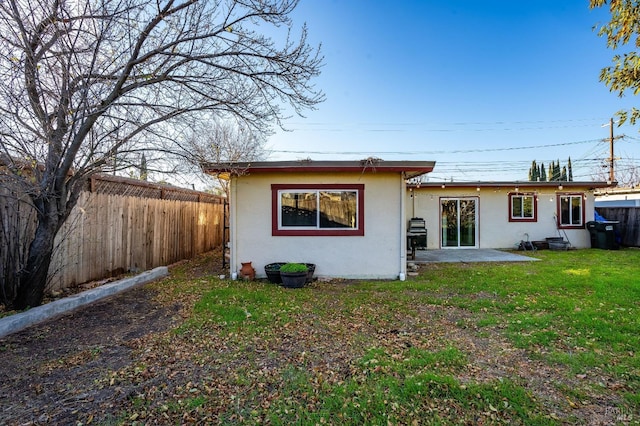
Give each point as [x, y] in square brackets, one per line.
[594, 158]
[418, 152]
[440, 126]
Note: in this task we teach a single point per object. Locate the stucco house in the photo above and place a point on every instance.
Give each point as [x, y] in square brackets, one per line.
[350, 218]
[346, 217]
[501, 214]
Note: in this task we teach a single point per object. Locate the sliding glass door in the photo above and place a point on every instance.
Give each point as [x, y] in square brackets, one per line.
[459, 218]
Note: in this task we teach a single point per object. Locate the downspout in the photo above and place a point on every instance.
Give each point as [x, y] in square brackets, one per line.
[233, 209]
[403, 229]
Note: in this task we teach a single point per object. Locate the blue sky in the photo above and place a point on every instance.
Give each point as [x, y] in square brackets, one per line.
[480, 87]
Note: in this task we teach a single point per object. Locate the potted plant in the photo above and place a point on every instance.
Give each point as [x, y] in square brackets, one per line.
[273, 272]
[294, 275]
[311, 268]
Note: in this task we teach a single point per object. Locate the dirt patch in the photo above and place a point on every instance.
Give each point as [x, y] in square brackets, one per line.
[50, 373]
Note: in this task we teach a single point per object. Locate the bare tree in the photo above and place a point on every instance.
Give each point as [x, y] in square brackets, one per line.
[223, 141]
[17, 219]
[627, 172]
[227, 142]
[88, 85]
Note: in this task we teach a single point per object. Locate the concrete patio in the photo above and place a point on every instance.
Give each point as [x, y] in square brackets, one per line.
[469, 255]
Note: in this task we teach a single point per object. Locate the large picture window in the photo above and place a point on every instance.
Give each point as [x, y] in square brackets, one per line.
[571, 210]
[522, 207]
[300, 209]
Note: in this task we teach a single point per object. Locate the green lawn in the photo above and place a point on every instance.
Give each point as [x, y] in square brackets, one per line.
[547, 342]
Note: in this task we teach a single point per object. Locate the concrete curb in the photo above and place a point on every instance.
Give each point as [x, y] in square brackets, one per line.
[22, 320]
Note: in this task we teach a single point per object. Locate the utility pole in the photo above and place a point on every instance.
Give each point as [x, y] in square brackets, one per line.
[612, 158]
[612, 176]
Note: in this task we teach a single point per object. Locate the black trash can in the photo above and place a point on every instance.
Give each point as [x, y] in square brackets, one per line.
[603, 234]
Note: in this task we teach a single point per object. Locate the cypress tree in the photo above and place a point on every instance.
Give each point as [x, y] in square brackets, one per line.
[543, 173]
[556, 171]
[144, 173]
[563, 175]
[533, 171]
[570, 175]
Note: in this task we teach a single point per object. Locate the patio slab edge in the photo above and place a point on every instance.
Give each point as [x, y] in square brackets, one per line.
[17, 322]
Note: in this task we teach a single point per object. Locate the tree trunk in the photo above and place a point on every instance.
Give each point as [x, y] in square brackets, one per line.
[33, 279]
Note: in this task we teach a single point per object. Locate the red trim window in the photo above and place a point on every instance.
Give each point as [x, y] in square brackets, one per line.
[317, 210]
[570, 210]
[523, 207]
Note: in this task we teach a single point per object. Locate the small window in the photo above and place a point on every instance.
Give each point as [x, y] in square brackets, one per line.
[570, 211]
[317, 209]
[522, 207]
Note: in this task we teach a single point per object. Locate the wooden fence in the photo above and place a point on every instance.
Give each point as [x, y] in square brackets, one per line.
[629, 218]
[121, 225]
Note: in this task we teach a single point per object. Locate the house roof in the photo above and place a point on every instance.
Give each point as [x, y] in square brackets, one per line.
[619, 191]
[411, 169]
[520, 185]
[617, 197]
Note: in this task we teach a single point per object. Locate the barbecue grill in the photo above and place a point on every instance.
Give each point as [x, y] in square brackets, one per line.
[418, 228]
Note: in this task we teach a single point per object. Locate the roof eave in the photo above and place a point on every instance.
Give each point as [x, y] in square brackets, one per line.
[515, 184]
[411, 169]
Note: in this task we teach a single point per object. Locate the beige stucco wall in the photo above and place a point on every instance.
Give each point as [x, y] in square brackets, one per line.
[495, 230]
[380, 253]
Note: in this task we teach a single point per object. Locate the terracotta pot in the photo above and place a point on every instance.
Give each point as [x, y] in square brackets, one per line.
[247, 271]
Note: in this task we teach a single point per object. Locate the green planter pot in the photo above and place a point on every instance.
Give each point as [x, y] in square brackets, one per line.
[293, 279]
